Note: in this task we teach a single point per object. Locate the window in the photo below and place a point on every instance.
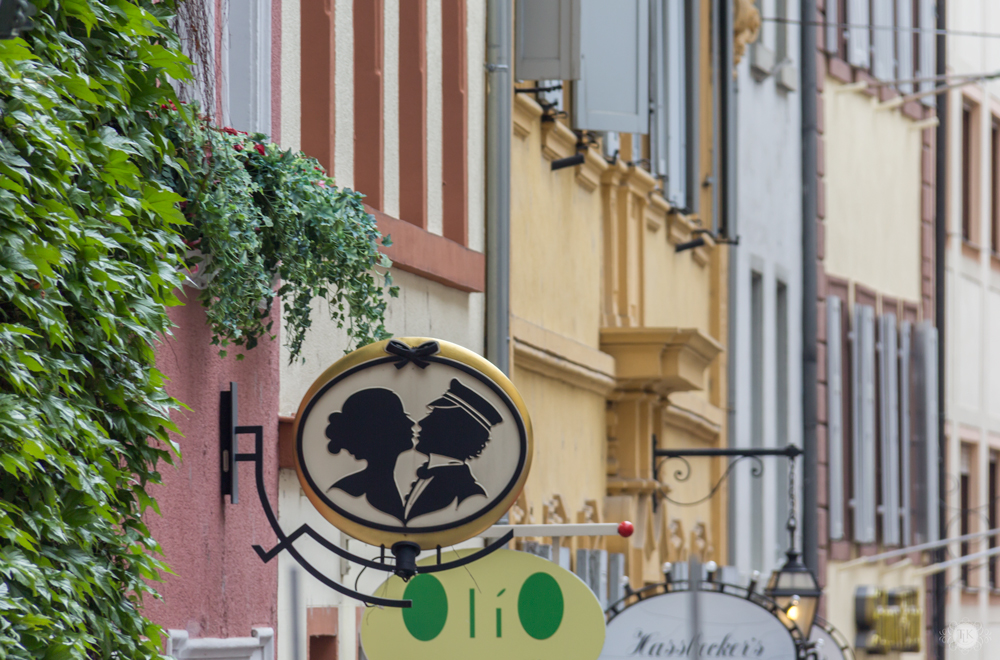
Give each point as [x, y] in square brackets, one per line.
[965, 505]
[970, 172]
[991, 515]
[781, 408]
[995, 186]
[757, 410]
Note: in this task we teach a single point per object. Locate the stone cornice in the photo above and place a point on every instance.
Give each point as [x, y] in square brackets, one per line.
[526, 115]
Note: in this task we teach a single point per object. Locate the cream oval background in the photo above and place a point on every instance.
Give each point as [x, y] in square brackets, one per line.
[494, 469]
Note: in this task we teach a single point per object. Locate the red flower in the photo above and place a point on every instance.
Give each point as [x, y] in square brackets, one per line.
[238, 147]
[260, 148]
[321, 184]
[230, 131]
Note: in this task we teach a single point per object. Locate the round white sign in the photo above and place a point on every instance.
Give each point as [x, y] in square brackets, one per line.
[827, 647]
[730, 627]
[413, 439]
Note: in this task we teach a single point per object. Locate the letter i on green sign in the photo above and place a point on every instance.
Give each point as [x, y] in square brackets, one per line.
[472, 612]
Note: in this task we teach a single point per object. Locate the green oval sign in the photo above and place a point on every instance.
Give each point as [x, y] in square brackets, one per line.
[427, 617]
[506, 605]
[540, 606]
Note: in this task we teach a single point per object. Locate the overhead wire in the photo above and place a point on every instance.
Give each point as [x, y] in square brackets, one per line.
[893, 28]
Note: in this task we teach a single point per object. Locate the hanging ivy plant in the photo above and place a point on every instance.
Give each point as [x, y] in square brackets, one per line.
[268, 223]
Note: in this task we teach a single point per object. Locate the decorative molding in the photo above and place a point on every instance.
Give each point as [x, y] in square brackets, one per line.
[679, 228]
[526, 116]
[702, 253]
[690, 413]
[258, 647]
[589, 174]
[625, 486]
[558, 141]
[663, 360]
[532, 359]
[639, 181]
[561, 345]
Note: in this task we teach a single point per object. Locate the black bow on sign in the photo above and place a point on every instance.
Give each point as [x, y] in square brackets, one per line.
[406, 354]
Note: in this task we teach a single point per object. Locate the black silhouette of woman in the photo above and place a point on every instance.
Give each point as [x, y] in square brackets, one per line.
[373, 427]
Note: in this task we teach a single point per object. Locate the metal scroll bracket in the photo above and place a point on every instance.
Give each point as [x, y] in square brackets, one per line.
[739, 454]
[404, 564]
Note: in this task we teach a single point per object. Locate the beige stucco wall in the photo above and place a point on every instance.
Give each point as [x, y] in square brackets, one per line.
[872, 194]
[555, 246]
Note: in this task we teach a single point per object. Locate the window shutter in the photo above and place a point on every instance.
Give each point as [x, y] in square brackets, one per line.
[925, 432]
[904, 432]
[882, 39]
[659, 37]
[598, 576]
[613, 91]
[928, 47]
[835, 417]
[545, 40]
[863, 376]
[248, 66]
[833, 30]
[904, 45]
[616, 573]
[888, 383]
[858, 37]
[692, 129]
[677, 104]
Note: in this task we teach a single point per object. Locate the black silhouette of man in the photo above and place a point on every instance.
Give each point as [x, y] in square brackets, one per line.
[373, 427]
[455, 430]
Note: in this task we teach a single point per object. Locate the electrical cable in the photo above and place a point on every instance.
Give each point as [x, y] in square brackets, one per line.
[893, 28]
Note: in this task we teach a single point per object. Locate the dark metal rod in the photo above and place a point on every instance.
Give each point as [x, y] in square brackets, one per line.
[791, 451]
[810, 266]
[569, 161]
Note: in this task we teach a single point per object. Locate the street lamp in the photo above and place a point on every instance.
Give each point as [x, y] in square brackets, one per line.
[793, 587]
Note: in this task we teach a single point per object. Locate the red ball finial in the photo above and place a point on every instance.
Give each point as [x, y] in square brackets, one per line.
[625, 528]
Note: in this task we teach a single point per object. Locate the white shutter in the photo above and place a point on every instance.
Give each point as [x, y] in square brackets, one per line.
[658, 40]
[613, 91]
[545, 40]
[882, 39]
[616, 573]
[928, 47]
[247, 65]
[904, 46]
[904, 432]
[677, 104]
[858, 36]
[833, 30]
[925, 433]
[863, 381]
[598, 576]
[835, 417]
[888, 384]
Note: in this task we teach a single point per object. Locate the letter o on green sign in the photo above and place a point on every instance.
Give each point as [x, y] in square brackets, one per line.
[426, 618]
[540, 605]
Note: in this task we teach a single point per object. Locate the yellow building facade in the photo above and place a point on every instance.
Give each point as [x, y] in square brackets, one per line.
[617, 339]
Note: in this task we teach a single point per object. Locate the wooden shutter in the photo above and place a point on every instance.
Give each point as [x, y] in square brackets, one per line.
[863, 388]
[858, 38]
[613, 91]
[904, 45]
[928, 47]
[883, 39]
[835, 416]
[905, 469]
[925, 432]
[888, 393]
[546, 39]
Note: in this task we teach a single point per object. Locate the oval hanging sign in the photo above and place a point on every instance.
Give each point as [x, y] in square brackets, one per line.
[730, 627]
[412, 439]
[507, 605]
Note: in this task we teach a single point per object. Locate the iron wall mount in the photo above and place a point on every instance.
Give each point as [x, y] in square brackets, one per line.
[404, 564]
[683, 474]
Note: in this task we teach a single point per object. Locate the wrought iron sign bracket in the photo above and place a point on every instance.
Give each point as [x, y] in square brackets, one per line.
[790, 451]
[405, 553]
